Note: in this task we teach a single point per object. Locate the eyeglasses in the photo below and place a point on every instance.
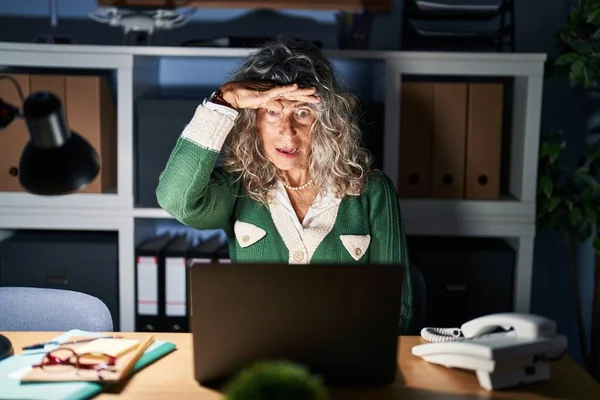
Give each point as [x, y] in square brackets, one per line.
[65, 359]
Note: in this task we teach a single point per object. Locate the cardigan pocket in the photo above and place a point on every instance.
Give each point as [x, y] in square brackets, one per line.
[356, 244]
[247, 234]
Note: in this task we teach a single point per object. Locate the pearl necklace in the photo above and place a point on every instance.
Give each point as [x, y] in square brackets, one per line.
[307, 184]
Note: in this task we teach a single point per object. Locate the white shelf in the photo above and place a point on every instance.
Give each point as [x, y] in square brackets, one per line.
[81, 201]
[420, 217]
[502, 218]
[151, 213]
[59, 56]
[409, 62]
[61, 219]
[172, 51]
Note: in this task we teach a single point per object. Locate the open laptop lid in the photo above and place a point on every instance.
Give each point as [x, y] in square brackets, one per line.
[339, 320]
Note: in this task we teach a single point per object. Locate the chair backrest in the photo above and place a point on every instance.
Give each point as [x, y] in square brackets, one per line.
[42, 309]
[419, 300]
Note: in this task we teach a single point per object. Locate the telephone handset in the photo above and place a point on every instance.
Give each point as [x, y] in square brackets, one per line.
[505, 349]
[523, 325]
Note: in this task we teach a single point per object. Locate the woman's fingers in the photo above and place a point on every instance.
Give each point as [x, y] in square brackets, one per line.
[271, 98]
[301, 95]
[262, 94]
[301, 92]
[306, 99]
[281, 90]
[290, 90]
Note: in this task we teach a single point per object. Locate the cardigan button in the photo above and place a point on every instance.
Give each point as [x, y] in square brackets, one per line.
[245, 238]
[298, 256]
[357, 252]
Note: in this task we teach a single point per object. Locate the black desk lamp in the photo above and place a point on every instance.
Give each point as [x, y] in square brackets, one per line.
[55, 161]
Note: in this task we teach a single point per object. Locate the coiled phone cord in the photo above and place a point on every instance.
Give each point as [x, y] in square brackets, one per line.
[441, 334]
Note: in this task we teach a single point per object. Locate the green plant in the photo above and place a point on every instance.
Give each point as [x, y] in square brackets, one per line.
[275, 380]
[568, 202]
[568, 198]
[579, 41]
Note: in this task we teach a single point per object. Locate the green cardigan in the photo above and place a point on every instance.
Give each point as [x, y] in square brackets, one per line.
[202, 196]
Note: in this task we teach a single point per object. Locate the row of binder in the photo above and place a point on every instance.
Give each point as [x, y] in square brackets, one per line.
[451, 140]
[161, 275]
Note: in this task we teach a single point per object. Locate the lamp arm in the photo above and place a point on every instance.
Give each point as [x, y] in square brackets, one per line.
[16, 84]
[6, 108]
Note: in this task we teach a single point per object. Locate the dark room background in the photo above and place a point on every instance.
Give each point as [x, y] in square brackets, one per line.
[537, 22]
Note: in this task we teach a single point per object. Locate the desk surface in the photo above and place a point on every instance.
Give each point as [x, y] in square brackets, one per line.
[173, 377]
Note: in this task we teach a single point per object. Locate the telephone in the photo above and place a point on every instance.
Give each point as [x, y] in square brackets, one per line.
[505, 349]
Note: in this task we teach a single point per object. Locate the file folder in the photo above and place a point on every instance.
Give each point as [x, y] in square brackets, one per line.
[449, 136]
[484, 141]
[149, 275]
[175, 285]
[416, 135]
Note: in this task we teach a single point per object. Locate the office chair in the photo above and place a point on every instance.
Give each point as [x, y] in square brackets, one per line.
[419, 300]
[42, 309]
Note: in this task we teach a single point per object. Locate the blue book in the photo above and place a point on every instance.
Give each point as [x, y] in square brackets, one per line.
[12, 368]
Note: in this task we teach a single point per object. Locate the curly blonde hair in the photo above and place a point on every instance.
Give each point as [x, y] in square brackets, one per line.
[337, 160]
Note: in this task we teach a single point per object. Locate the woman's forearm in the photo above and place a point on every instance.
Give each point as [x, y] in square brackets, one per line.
[190, 188]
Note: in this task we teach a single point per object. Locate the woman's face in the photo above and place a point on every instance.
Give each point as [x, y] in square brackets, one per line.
[286, 134]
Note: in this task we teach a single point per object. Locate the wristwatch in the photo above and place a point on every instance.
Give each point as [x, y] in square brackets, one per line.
[217, 98]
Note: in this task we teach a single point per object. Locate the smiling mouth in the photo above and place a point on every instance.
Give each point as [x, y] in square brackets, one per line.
[287, 151]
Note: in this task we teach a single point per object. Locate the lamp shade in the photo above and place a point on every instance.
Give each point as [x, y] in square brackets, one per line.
[62, 170]
[55, 160]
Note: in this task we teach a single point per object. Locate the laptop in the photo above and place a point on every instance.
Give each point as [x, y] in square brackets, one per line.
[340, 321]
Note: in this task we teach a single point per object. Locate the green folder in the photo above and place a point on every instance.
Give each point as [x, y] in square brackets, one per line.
[13, 367]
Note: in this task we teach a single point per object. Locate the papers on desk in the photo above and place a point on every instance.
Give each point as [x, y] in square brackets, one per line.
[12, 369]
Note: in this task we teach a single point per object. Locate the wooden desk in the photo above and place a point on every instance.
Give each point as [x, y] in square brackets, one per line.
[173, 377]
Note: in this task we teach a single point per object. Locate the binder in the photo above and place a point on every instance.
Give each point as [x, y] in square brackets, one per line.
[175, 284]
[484, 141]
[149, 272]
[449, 136]
[205, 252]
[416, 135]
[223, 254]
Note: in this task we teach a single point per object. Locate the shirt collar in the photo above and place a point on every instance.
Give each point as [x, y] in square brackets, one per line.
[321, 203]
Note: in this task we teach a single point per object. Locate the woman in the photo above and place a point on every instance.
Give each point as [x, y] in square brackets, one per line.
[295, 186]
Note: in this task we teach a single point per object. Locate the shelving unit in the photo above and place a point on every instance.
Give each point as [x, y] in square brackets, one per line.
[137, 72]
